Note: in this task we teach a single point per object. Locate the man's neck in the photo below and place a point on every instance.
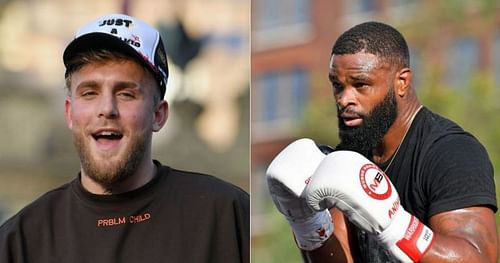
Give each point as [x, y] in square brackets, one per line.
[396, 134]
[142, 176]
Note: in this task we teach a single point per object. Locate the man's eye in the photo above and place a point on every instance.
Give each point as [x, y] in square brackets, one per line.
[126, 94]
[88, 93]
[359, 85]
[337, 86]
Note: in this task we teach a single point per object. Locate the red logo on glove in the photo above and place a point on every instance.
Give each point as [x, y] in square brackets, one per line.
[321, 232]
[308, 180]
[374, 182]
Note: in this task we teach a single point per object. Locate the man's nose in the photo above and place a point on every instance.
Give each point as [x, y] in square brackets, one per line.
[108, 107]
[345, 97]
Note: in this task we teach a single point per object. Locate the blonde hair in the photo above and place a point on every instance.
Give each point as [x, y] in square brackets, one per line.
[101, 56]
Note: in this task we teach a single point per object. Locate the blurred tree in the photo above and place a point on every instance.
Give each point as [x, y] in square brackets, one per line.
[320, 116]
[277, 245]
[180, 46]
[3, 3]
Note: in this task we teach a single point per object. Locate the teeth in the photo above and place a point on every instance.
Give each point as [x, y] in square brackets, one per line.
[107, 133]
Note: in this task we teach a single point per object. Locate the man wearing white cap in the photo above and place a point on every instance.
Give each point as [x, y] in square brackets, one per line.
[124, 206]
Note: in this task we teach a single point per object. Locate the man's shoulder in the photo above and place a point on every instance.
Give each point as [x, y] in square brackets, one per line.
[201, 182]
[34, 211]
[438, 132]
[439, 137]
[440, 124]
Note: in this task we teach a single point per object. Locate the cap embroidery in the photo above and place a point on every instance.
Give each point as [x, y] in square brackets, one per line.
[116, 22]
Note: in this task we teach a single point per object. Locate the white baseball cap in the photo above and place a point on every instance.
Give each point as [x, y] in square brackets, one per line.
[119, 32]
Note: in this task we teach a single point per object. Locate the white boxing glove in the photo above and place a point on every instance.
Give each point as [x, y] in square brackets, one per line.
[287, 177]
[362, 191]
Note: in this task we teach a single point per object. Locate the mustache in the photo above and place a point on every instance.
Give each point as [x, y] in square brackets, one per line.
[347, 112]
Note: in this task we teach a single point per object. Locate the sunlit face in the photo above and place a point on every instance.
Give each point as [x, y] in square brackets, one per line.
[112, 116]
[363, 88]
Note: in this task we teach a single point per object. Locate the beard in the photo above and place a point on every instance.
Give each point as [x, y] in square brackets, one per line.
[366, 137]
[107, 171]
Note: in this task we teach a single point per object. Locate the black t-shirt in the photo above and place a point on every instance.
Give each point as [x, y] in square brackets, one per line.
[439, 167]
[177, 217]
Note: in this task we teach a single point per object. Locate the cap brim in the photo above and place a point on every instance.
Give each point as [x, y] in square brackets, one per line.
[99, 41]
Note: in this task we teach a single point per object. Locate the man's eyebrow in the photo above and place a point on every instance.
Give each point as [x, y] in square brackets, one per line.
[87, 83]
[120, 85]
[126, 85]
[360, 77]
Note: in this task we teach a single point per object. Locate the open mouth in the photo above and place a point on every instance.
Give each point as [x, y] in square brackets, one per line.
[107, 135]
[351, 119]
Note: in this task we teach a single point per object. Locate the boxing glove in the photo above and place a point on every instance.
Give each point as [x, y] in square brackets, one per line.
[362, 191]
[287, 176]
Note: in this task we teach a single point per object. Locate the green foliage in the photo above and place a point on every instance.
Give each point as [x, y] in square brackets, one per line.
[320, 122]
[277, 244]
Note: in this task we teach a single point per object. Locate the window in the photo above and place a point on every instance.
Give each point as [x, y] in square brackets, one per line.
[280, 13]
[278, 100]
[462, 62]
[280, 22]
[416, 67]
[359, 6]
[496, 58]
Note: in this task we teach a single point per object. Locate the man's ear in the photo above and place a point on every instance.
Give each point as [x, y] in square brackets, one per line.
[403, 81]
[67, 112]
[160, 115]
